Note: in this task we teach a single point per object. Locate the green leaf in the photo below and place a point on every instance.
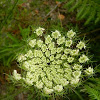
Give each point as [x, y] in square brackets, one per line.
[12, 38]
[98, 17]
[87, 11]
[5, 50]
[91, 16]
[24, 32]
[76, 5]
[70, 2]
[10, 59]
[83, 5]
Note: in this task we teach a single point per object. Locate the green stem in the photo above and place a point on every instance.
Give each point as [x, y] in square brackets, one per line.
[78, 94]
[83, 34]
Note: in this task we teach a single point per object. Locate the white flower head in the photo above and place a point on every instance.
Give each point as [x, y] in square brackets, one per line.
[47, 53]
[29, 75]
[39, 43]
[60, 70]
[48, 84]
[61, 40]
[29, 54]
[81, 45]
[70, 34]
[43, 59]
[51, 57]
[44, 47]
[67, 51]
[58, 88]
[57, 66]
[58, 56]
[48, 39]
[77, 67]
[51, 46]
[89, 71]
[39, 84]
[28, 81]
[77, 74]
[21, 58]
[74, 81]
[47, 90]
[70, 59]
[59, 49]
[74, 52]
[66, 65]
[83, 59]
[39, 31]
[32, 43]
[59, 62]
[53, 51]
[56, 34]
[68, 43]
[64, 56]
[52, 64]
[26, 65]
[68, 70]
[16, 76]
[68, 76]
[64, 82]
[38, 53]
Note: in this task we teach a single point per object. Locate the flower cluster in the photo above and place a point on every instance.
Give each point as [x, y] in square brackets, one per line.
[53, 64]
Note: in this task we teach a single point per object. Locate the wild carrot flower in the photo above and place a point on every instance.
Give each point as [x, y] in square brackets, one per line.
[53, 63]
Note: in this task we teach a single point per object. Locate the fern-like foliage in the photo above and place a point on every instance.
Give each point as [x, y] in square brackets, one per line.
[93, 88]
[86, 9]
[93, 93]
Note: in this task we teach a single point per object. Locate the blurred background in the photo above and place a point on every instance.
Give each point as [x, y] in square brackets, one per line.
[16, 16]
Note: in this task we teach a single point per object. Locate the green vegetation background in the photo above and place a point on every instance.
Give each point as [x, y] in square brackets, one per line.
[17, 17]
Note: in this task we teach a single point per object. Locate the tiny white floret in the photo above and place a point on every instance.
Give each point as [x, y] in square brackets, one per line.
[70, 34]
[58, 88]
[56, 34]
[89, 71]
[16, 76]
[68, 43]
[83, 59]
[39, 31]
[81, 45]
[32, 43]
[47, 90]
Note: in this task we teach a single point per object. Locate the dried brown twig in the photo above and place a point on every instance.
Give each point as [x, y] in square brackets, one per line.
[59, 3]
